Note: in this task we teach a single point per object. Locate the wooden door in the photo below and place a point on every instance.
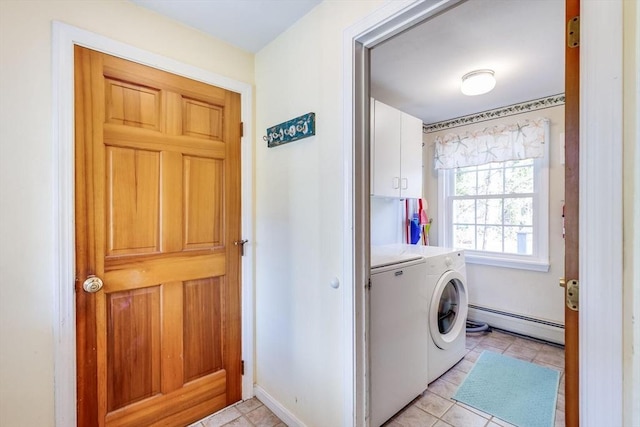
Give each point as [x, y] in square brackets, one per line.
[572, 152]
[157, 210]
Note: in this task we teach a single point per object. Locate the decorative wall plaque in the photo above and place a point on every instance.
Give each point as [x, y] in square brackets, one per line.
[291, 130]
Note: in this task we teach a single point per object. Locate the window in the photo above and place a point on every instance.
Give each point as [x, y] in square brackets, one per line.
[498, 212]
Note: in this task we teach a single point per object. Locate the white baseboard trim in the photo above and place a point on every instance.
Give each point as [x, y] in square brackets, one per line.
[276, 407]
[518, 325]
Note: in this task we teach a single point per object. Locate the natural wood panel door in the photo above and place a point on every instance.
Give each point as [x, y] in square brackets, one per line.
[157, 212]
[571, 213]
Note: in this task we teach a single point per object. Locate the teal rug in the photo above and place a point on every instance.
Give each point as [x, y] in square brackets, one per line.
[513, 390]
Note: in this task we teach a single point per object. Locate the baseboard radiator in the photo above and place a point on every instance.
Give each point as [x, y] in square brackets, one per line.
[524, 325]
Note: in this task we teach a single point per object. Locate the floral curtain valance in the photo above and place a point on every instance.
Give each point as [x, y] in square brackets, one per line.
[521, 140]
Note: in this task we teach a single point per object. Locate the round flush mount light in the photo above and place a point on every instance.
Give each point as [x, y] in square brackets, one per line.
[478, 82]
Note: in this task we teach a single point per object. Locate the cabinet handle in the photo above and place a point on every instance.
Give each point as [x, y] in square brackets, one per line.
[405, 183]
[396, 183]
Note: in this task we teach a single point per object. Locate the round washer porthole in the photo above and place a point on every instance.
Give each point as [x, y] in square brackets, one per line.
[448, 310]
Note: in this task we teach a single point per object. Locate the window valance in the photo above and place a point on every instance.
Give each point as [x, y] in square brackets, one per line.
[521, 140]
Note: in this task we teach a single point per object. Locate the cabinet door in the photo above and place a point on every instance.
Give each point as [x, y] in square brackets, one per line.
[385, 150]
[411, 157]
[399, 339]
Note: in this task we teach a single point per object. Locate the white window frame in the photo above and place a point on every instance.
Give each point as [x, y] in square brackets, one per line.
[539, 260]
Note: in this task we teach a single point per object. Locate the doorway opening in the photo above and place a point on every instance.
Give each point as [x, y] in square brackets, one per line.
[418, 72]
[601, 390]
[364, 64]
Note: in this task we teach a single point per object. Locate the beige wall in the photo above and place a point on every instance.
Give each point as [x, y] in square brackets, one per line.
[523, 292]
[298, 193]
[26, 168]
[300, 217]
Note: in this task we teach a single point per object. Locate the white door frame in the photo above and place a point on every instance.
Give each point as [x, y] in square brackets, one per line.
[64, 38]
[601, 304]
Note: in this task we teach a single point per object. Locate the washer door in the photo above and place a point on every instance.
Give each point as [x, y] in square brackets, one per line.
[448, 310]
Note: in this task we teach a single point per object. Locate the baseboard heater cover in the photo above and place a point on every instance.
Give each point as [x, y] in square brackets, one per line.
[518, 323]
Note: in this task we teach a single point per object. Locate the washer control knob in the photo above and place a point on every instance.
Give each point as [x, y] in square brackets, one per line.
[448, 261]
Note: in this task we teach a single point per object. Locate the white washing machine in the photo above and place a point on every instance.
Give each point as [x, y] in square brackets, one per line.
[398, 340]
[448, 304]
[447, 282]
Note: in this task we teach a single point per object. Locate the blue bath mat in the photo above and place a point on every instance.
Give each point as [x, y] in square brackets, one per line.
[513, 390]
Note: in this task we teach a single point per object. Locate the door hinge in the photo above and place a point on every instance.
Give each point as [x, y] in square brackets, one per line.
[572, 293]
[573, 32]
[241, 244]
[241, 129]
[242, 367]
[367, 286]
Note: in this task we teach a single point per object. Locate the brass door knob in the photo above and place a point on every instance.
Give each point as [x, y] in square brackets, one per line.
[92, 285]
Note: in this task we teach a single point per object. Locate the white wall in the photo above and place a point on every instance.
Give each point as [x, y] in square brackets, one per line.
[387, 221]
[528, 293]
[300, 210]
[26, 168]
[631, 337]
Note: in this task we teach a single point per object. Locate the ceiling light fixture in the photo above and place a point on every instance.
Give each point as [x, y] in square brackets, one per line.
[478, 82]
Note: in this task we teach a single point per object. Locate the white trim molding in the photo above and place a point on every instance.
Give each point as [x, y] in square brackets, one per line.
[601, 308]
[64, 38]
[274, 406]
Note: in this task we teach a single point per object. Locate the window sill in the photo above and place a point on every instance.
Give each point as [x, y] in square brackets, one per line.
[532, 264]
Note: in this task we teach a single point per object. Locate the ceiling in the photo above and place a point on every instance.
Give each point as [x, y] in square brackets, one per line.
[420, 70]
[247, 24]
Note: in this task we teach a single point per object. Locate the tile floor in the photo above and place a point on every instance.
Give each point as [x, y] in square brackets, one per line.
[250, 413]
[435, 407]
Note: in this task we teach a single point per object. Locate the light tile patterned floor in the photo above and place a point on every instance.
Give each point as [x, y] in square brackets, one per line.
[250, 413]
[435, 408]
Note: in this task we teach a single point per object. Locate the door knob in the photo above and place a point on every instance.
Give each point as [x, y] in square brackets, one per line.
[92, 285]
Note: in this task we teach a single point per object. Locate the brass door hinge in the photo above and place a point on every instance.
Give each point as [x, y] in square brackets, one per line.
[242, 367]
[241, 129]
[573, 32]
[572, 293]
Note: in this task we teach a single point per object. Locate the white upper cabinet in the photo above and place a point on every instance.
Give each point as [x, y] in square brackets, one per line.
[396, 152]
[411, 157]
